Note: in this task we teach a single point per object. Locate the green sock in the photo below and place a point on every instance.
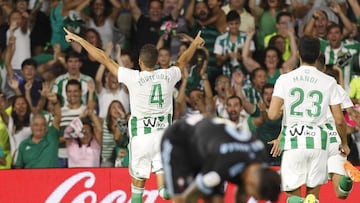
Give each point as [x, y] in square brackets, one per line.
[136, 194]
[163, 193]
[345, 185]
[295, 199]
[136, 198]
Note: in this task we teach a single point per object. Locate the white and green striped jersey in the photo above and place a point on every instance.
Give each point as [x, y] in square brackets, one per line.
[223, 45]
[108, 145]
[341, 56]
[330, 125]
[67, 115]
[252, 95]
[307, 94]
[151, 100]
[48, 116]
[59, 87]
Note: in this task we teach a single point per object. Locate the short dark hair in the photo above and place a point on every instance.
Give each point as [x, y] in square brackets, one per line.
[270, 184]
[73, 82]
[331, 26]
[222, 76]
[320, 62]
[234, 97]
[29, 62]
[267, 86]
[149, 55]
[72, 54]
[125, 52]
[309, 49]
[194, 90]
[165, 49]
[281, 14]
[232, 15]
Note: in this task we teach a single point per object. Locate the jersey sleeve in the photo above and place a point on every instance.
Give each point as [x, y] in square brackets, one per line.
[279, 88]
[218, 49]
[335, 95]
[127, 76]
[346, 101]
[175, 74]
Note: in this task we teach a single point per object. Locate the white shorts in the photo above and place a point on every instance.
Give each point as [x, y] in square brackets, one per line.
[145, 156]
[303, 166]
[335, 161]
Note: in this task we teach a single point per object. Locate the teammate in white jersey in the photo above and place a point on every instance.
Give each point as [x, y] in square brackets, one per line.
[340, 176]
[151, 106]
[305, 94]
[341, 172]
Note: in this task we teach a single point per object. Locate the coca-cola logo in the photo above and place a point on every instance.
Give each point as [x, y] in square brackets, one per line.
[118, 196]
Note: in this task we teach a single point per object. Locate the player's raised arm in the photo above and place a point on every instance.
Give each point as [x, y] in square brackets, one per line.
[189, 52]
[98, 54]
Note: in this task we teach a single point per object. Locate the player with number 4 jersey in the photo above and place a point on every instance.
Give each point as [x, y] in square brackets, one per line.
[151, 106]
[151, 97]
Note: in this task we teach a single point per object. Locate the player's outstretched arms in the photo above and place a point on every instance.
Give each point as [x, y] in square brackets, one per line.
[98, 54]
[189, 52]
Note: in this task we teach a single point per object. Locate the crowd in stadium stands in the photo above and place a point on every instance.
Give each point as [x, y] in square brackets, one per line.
[59, 107]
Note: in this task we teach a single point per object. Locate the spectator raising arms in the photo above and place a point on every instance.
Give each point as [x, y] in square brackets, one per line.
[115, 134]
[111, 90]
[273, 60]
[83, 140]
[103, 14]
[18, 123]
[41, 148]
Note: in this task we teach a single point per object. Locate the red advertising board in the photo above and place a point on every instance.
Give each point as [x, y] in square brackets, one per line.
[101, 185]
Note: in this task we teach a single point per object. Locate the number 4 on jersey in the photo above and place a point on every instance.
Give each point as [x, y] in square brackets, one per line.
[156, 95]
